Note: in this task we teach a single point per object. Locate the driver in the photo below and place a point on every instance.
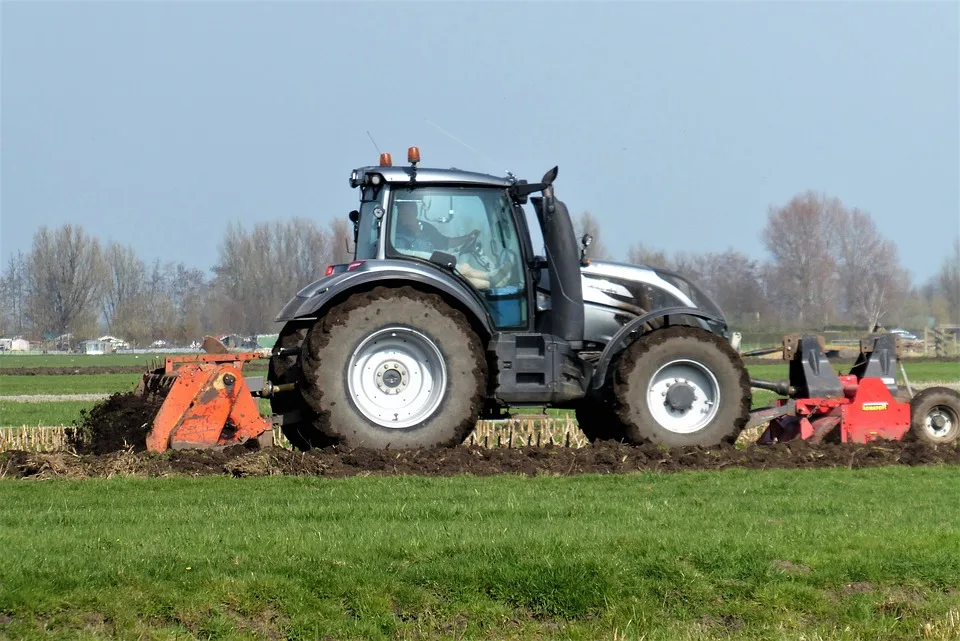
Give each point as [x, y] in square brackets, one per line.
[413, 233]
[416, 235]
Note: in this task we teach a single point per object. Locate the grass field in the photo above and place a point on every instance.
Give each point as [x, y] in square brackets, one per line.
[77, 360]
[59, 413]
[831, 554]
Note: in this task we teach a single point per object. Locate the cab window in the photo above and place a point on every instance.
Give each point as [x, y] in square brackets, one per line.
[473, 225]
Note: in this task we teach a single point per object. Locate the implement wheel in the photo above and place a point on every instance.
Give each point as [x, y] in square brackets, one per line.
[935, 415]
[393, 368]
[682, 386]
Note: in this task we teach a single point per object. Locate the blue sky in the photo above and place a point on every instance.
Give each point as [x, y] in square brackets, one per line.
[676, 124]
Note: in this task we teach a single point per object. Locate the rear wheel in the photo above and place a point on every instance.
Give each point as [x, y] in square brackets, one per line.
[935, 415]
[682, 386]
[393, 368]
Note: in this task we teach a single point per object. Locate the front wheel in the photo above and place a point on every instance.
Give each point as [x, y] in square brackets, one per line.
[393, 368]
[682, 386]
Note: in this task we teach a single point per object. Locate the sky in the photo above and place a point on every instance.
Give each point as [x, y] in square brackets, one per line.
[676, 124]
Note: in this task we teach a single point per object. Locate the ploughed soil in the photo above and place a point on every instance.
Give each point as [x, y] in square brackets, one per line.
[109, 441]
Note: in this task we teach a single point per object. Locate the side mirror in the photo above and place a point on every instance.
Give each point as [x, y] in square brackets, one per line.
[354, 217]
[585, 241]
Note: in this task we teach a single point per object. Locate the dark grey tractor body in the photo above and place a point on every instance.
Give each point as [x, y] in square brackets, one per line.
[448, 315]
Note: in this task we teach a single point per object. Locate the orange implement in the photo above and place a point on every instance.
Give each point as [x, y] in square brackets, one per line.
[207, 403]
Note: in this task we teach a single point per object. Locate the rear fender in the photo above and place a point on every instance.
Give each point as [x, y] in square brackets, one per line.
[634, 330]
[310, 302]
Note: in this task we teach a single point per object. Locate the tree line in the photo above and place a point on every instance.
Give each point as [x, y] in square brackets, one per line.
[71, 283]
[827, 265]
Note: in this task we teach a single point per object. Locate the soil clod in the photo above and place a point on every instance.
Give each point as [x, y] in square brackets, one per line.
[119, 423]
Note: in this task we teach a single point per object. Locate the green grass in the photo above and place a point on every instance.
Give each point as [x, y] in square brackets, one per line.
[68, 384]
[832, 554]
[917, 372]
[59, 413]
[77, 360]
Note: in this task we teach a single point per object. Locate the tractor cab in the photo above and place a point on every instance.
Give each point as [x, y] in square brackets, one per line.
[470, 225]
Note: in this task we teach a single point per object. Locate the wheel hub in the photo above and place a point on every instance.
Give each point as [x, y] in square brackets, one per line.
[939, 421]
[680, 396]
[396, 377]
[392, 377]
[683, 396]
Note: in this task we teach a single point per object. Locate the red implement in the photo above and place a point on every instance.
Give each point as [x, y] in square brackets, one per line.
[866, 412]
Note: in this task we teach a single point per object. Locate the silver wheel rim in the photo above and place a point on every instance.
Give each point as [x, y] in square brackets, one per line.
[673, 386]
[397, 377]
[945, 416]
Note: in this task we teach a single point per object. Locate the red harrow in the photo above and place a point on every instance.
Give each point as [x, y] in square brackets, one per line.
[866, 404]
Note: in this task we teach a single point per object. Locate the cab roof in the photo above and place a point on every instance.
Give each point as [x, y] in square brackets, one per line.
[453, 175]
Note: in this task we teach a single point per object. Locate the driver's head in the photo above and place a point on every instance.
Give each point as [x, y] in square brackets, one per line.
[407, 216]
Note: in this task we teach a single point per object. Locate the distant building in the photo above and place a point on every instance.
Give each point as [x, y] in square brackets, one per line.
[95, 346]
[14, 345]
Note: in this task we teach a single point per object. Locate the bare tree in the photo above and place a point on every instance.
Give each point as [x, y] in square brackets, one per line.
[65, 275]
[638, 254]
[872, 278]
[13, 292]
[258, 271]
[341, 241]
[731, 279]
[948, 282]
[588, 224]
[126, 274]
[798, 236]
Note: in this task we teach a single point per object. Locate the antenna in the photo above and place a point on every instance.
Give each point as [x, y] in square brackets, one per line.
[374, 142]
[450, 135]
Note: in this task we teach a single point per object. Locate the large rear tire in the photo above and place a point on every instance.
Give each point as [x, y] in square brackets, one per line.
[393, 368]
[935, 416]
[682, 386]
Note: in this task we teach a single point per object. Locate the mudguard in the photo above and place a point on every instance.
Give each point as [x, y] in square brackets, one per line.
[318, 294]
[631, 331]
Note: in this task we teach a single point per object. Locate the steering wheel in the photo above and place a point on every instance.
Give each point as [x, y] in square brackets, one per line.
[469, 242]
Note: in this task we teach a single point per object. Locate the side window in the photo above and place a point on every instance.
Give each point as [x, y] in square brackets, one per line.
[476, 227]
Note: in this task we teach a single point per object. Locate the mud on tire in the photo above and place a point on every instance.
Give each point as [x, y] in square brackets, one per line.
[430, 324]
[935, 416]
[685, 419]
[286, 369]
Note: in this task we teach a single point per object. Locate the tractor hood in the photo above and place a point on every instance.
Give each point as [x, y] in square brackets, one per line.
[638, 289]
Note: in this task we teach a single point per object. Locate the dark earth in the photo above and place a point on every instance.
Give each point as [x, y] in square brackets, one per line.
[109, 441]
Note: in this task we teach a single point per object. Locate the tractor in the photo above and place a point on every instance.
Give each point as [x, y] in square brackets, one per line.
[447, 315]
